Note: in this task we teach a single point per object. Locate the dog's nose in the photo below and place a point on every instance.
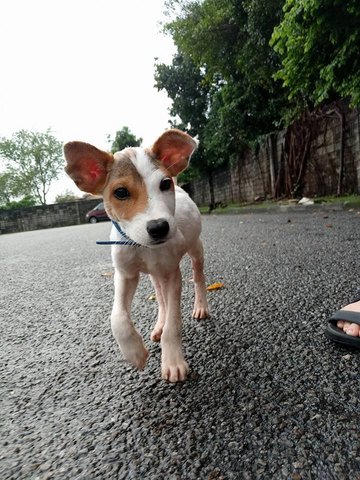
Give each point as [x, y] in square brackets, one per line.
[157, 229]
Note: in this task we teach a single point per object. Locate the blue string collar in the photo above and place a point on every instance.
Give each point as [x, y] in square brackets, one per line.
[124, 241]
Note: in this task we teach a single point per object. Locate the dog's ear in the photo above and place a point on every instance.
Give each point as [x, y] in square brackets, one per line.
[87, 166]
[173, 149]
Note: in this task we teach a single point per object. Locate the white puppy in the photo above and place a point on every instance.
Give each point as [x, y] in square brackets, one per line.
[154, 224]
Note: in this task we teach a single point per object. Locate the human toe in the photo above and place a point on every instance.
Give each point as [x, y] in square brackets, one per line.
[351, 329]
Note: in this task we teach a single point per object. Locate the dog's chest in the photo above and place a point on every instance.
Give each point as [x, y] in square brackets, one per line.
[157, 261]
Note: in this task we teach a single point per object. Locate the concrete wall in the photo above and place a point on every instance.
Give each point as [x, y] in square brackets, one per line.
[48, 216]
[255, 174]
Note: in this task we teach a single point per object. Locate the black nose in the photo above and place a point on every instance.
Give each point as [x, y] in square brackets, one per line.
[157, 229]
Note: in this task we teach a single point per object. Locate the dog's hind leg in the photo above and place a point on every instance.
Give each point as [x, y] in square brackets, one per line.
[157, 331]
[201, 309]
[130, 341]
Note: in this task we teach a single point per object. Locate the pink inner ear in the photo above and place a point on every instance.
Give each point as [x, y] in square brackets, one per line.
[95, 170]
[166, 160]
[89, 175]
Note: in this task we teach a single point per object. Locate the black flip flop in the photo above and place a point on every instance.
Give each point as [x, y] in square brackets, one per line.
[336, 334]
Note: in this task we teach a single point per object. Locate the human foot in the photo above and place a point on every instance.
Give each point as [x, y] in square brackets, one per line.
[350, 328]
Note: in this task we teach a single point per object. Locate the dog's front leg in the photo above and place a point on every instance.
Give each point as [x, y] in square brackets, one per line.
[173, 365]
[130, 342]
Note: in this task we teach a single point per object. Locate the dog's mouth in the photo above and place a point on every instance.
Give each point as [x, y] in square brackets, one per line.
[159, 241]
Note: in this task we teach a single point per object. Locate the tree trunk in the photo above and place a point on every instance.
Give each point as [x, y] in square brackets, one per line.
[212, 192]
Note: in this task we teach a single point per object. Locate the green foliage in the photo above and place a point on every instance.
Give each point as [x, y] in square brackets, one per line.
[318, 41]
[185, 84]
[123, 139]
[23, 203]
[246, 68]
[226, 42]
[32, 161]
[6, 188]
[67, 196]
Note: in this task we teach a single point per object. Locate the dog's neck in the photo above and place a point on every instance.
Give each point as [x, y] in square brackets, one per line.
[124, 241]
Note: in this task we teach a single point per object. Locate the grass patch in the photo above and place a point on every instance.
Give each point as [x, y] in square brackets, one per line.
[348, 201]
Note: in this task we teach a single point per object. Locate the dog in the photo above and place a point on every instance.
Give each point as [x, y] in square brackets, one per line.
[155, 223]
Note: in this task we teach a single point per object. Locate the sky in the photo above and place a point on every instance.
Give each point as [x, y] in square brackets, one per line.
[84, 69]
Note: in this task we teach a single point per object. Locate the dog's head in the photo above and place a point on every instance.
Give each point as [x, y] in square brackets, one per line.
[136, 183]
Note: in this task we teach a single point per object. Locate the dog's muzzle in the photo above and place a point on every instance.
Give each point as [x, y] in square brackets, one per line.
[158, 229]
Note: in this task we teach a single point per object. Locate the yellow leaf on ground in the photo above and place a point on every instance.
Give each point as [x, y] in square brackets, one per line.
[215, 286]
[152, 297]
[107, 274]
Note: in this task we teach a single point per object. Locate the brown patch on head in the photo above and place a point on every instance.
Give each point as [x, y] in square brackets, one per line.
[125, 175]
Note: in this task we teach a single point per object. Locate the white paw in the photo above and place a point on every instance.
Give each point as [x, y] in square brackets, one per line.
[133, 349]
[201, 311]
[156, 334]
[174, 372]
[138, 358]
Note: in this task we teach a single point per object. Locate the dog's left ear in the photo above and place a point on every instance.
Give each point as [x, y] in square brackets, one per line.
[173, 149]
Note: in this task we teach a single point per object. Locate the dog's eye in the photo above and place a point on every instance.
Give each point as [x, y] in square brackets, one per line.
[121, 193]
[166, 184]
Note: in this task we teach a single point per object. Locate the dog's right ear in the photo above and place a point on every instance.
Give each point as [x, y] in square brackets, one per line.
[87, 166]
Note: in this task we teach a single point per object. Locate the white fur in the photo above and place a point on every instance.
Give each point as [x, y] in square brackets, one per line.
[94, 171]
[162, 263]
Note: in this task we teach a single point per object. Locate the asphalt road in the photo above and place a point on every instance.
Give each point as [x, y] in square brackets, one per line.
[269, 397]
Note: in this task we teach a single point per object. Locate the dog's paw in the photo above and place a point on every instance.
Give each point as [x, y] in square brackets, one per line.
[200, 312]
[175, 373]
[156, 335]
[135, 352]
[139, 359]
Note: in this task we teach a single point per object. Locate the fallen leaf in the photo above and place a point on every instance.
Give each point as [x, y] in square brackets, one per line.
[152, 297]
[328, 225]
[107, 274]
[215, 286]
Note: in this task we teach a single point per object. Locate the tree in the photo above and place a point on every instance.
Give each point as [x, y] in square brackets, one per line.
[124, 138]
[67, 196]
[221, 80]
[229, 40]
[189, 90]
[318, 42]
[185, 84]
[33, 160]
[6, 188]
[15, 204]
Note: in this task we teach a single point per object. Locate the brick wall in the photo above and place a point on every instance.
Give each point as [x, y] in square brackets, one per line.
[255, 173]
[48, 216]
[323, 168]
[223, 188]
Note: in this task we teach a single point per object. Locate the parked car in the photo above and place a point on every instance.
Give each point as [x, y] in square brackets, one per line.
[97, 214]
